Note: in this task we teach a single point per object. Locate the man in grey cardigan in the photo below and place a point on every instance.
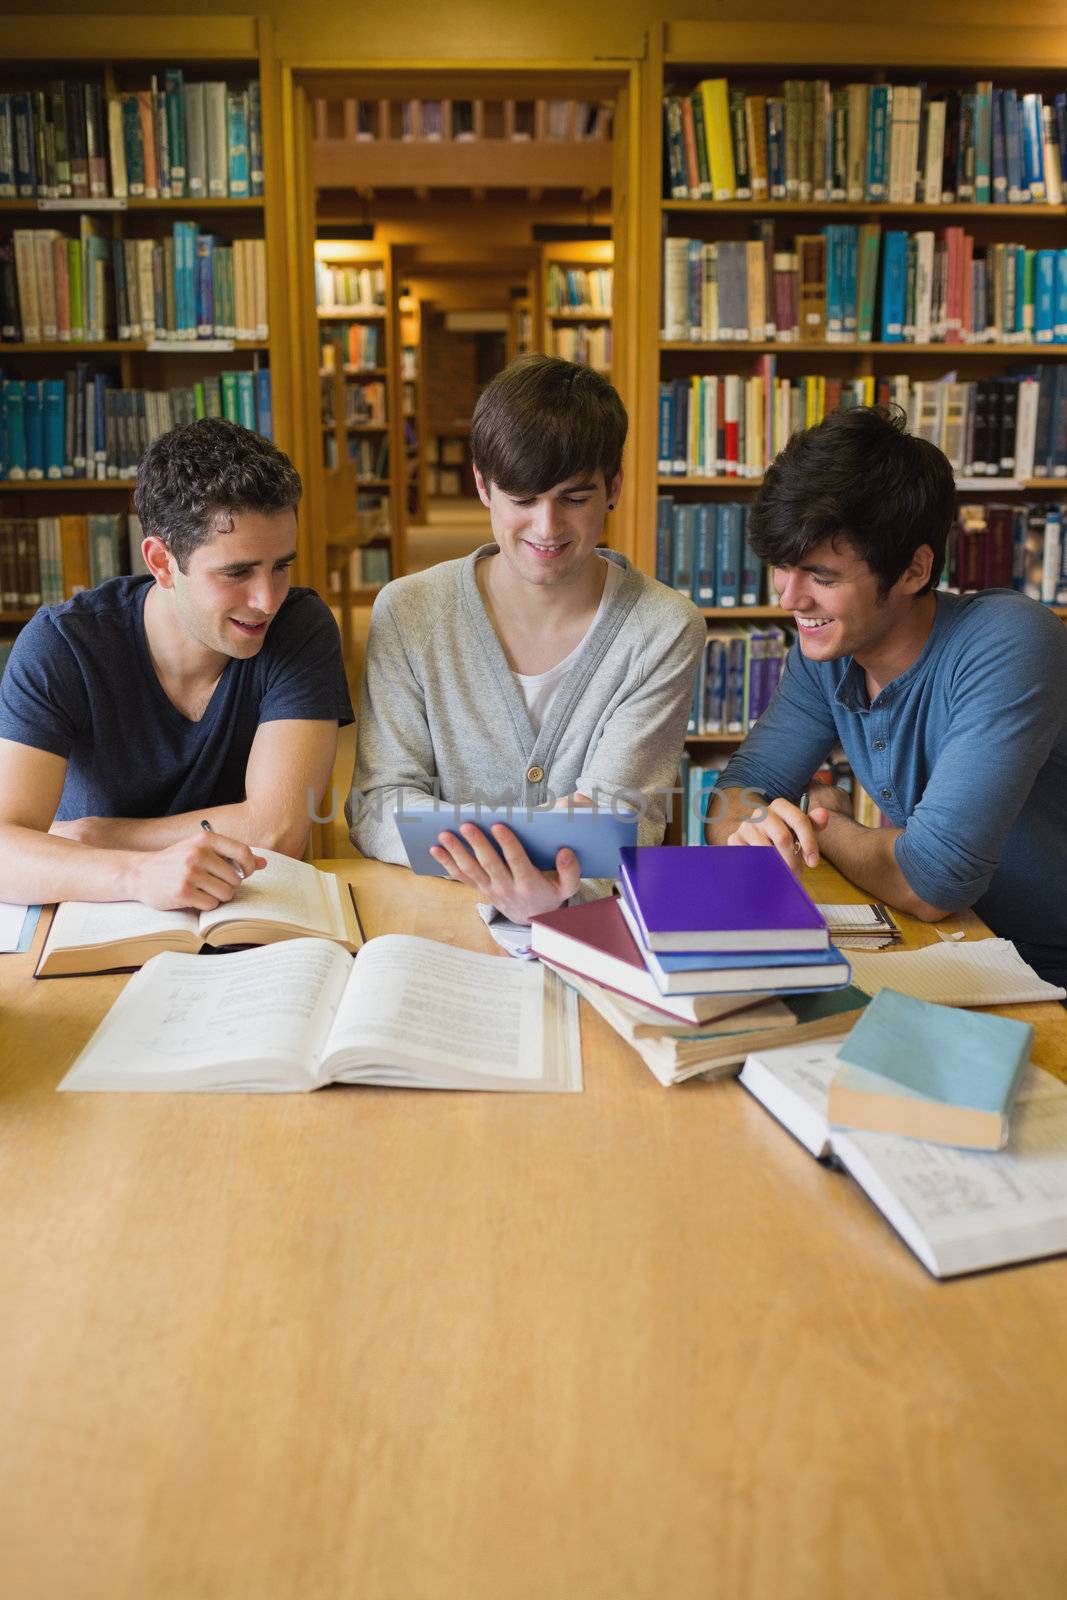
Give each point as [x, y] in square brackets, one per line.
[537, 670]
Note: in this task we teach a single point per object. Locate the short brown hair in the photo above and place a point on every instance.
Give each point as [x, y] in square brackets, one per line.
[192, 481]
[542, 421]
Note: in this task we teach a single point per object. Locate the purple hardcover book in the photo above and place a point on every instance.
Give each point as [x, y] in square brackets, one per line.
[716, 898]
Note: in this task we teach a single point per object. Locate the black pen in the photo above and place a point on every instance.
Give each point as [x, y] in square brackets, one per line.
[205, 824]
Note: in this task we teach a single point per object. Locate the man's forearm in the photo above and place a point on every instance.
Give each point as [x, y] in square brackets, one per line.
[39, 868]
[728, 808]
[867, 858]
[238, 821]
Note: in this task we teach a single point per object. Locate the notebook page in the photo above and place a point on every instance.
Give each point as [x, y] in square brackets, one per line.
[82, 922]
[444, 1007]
[283, 891]
[181, 1014]
[981, 972]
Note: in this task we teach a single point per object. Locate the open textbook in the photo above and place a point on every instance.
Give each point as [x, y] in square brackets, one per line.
[286, 899]
[407, 1012]
[959, 1210]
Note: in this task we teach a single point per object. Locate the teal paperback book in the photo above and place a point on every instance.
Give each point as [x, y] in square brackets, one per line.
[930, 1072]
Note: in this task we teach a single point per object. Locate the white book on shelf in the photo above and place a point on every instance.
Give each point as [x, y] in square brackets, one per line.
[217, 141]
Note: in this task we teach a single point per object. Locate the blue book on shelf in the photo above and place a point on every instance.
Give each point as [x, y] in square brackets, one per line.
[205, 285]
[25, 163]
[776, 148]
[1033, 147]
[1013, 147]
[751, 566]
[33, 402]
[665, 448]
[682, 550]
[834, 317]
[850, 250]
[1044, 296]
[264, 414]
[877, 129]
[246, 401]
[983, 143]
[255, 140]
[932, 1072]
[1059, 303]
[237, 129]
[727, 554]
[704, 554]
[7, 149]
[1060, 108]
[664, 508]
[998, 156]
[894, 285]
[680, 418]
[55, 427]
[101, 384]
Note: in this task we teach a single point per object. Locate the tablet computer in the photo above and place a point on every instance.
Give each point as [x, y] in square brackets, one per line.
[595, 836]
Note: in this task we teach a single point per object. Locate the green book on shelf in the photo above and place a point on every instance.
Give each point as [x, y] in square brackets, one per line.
[930, 1072]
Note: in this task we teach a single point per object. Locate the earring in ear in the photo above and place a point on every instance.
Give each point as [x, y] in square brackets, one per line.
[611, 505]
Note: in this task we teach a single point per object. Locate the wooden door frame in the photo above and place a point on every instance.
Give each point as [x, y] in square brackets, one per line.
[624, 78]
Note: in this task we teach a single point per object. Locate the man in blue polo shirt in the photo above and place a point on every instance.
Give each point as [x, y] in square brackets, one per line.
[951, 709]
[208, 691]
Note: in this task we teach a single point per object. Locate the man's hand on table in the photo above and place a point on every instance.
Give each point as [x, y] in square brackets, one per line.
[791, 831]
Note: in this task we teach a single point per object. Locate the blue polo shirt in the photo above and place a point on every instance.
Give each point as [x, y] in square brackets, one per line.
[966, 751]
[81, 684]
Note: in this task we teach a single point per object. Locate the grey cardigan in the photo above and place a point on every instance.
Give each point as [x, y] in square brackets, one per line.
[441, 708]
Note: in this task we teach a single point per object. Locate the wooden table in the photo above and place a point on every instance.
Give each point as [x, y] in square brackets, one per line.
[629, 1345]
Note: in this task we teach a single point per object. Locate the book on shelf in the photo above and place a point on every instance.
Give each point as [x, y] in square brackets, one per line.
[854, 284]
[578, 288]
[351, 347]
[904, 144]
[286, 899]
[1021, 547]
[84, 426]
[88, 288]
[349, 288]
[406, 1013]
[585, 346]
[171, 140]
[931, 1072]
[733, 424]
[740, 669]
[957, 1210]
[46, 560]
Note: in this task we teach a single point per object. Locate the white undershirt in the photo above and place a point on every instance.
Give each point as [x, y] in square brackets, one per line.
[538, 689]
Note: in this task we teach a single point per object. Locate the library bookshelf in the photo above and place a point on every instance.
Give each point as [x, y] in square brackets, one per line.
[757, 58]
[577, 279]
[362, 459]
[413, 406]
[118, 60]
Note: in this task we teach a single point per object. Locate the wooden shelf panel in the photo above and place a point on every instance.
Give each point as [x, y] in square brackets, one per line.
[1024, 352]
[15, 616]
[964, 486]
[463, 164]
[739, 613]
[352, 314]
[373, 483]
[192, 347]
[860, 208]
[715, 738]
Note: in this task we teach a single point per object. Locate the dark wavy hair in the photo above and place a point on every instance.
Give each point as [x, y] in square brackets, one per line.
[861, 474]
[542, 421]
[193, 481]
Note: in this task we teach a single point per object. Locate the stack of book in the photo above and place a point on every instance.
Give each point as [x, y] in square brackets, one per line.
[703, 952]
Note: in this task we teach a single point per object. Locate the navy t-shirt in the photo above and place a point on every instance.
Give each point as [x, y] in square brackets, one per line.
[80, 683]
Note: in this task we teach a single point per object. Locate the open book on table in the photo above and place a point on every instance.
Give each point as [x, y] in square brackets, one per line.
[286, 899]
[407, 1012]
[958, 1210]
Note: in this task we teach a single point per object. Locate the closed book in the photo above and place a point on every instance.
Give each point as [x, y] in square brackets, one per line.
[712, 972]
[595, 941]
[930, 1072]
[720, 899]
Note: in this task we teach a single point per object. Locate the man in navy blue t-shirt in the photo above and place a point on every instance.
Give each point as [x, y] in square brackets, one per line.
[951, 709]
[209, 690]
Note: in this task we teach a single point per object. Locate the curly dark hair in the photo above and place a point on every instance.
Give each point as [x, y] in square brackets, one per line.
[542, 421]
[861, 474]
[193, 481]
